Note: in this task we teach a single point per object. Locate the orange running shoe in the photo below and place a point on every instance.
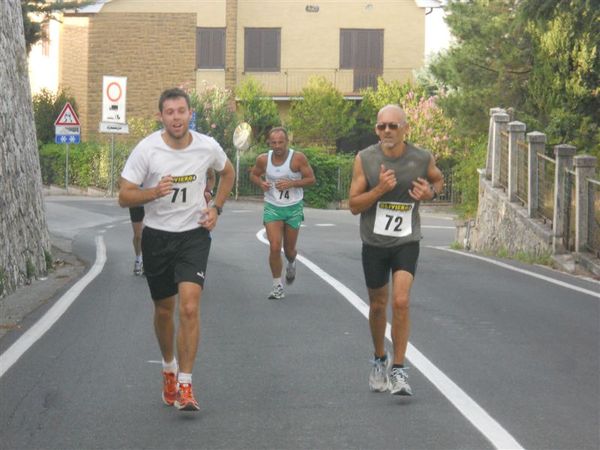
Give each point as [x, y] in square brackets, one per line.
[169, 388]
[185, 398]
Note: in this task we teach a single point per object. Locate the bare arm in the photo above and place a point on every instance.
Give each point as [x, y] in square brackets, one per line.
[257, 172]
[361, 199]
[226, 180]
[130, 194]
[422, 188]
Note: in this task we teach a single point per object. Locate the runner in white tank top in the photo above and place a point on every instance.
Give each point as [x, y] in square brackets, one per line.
[282, 173]
[274, 173]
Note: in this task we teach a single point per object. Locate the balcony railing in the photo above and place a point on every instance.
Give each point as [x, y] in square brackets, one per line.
[289, 82]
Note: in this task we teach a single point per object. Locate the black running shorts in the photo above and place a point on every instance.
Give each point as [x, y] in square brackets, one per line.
[170, 258]
[136, 213]
[378, 262]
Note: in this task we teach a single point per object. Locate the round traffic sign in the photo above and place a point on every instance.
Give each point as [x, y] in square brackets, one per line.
[113, 91]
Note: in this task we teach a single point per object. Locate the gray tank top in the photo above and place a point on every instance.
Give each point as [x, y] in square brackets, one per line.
[394, 218]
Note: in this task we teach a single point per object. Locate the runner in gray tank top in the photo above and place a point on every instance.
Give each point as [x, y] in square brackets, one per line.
[389, 181]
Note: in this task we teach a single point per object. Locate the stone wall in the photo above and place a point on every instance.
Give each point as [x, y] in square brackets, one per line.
[24, 239]
[504, 226]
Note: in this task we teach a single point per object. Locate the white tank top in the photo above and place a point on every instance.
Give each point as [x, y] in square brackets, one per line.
[289, 196]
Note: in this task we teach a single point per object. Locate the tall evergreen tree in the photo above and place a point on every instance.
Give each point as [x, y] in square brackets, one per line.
[540, 57]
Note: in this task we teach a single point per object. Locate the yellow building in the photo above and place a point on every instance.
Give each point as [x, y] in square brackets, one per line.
[158, 44]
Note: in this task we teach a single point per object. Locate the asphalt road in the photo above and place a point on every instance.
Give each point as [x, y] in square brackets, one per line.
[502, 355]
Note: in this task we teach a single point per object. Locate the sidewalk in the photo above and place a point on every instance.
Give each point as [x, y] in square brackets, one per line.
[67, 269]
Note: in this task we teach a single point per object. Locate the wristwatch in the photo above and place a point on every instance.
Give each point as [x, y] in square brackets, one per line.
[218, 208]
[435, 194]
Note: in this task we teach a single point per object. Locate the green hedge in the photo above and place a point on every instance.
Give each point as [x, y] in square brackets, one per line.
[89, 164]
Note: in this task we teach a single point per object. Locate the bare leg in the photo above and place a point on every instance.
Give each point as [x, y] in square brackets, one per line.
[137, 237]
[275, 236]
[378, 299]
[164, 326]
[188, 335]
[290, 237]
[402, 283]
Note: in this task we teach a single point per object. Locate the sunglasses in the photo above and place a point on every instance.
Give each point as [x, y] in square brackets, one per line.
[390, 125]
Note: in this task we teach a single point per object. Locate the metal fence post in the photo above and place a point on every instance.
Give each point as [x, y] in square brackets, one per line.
[564, 160]
[516, 134]
[585, 167]
[488, 164]
[537, 144]
[500, 124]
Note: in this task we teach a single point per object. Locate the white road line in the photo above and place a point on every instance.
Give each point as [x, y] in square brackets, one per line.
[438, 227]
[324, 225]
[523, 271]
[492, 430]
[37, 330]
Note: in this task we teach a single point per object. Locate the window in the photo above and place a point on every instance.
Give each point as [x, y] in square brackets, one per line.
[210, 48]
[362, 51]
[262, 49]
[361, 48]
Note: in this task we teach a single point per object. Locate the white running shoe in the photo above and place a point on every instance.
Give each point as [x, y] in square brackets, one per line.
[138, 268]
[399, 382]
[378, 378]
[277, 293]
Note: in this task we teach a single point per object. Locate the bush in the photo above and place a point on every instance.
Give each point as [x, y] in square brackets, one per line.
[466, 177]
[89, 164]
[214, 115]
[331, 173]
[257, 108]
[322, 116]
[46, 108]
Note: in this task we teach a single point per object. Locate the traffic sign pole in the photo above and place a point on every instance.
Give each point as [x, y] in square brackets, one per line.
[112, 164]
[67, 169]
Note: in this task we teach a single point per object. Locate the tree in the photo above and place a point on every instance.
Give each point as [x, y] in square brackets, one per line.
[24, 239]
[256, 108]
[322, 115]
[45, 11]
[539, 57]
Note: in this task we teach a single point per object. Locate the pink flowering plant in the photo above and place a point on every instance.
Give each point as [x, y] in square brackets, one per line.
[214, 114]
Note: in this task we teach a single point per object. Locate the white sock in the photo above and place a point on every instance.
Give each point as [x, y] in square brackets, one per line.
[170, 367]
[292, 263]
[184, 378]
[277, 281]
[138, 258]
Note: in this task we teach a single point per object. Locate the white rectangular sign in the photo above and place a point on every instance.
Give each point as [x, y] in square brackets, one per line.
[117, 128]
[114, 90]
[67, 129]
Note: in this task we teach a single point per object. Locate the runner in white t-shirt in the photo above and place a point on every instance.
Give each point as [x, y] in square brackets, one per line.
[172, 166]
[286, 172]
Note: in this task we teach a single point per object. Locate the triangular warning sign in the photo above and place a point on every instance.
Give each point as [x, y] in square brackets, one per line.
[67, 116]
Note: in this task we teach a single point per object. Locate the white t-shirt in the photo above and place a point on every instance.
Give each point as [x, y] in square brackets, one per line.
[273, 173]
[153, 159]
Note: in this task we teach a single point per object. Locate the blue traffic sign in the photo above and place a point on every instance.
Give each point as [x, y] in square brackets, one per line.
[67, 139]
[192, 124]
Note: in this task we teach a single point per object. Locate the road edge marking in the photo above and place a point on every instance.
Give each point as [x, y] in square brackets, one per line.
[523, 271]
[37, 330]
